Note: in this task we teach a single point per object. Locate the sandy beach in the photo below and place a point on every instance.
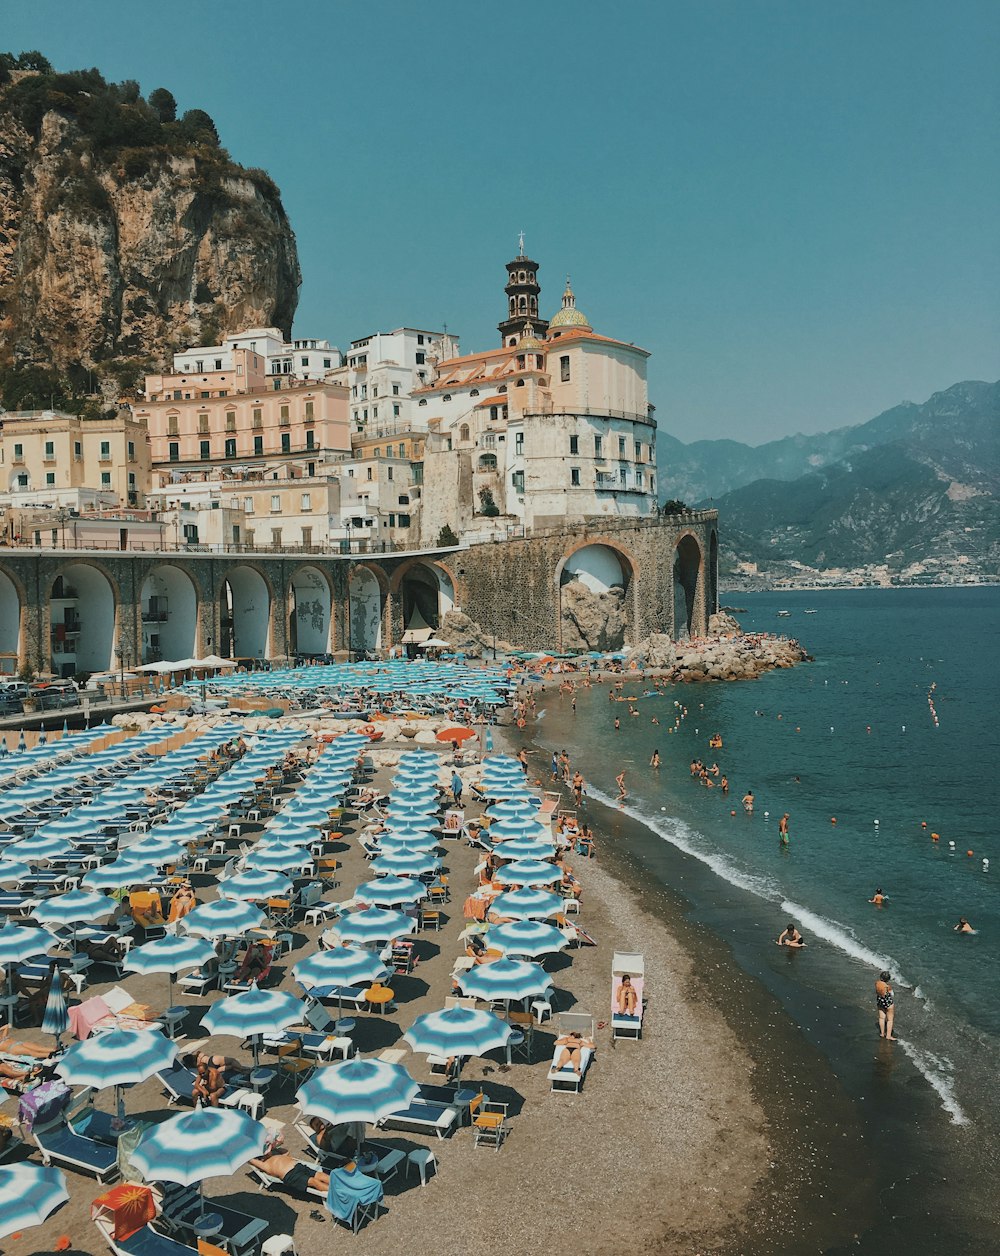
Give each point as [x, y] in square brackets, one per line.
[712, 1134]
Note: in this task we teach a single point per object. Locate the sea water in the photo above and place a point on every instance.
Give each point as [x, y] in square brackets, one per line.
[893, 732]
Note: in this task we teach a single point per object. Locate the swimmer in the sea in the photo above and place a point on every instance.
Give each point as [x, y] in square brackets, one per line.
[963, 926]
[878, 898]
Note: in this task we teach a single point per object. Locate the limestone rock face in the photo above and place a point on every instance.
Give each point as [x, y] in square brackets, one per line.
[722, 625]
[465, 636]
[592, 621]
[133, 253]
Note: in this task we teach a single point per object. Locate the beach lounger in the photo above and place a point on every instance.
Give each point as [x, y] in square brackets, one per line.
[422, 1117]
[566, 1079]
[182, 1205]
[59, 1145]
[178, 1082]
[350, 996]
[627, 1025]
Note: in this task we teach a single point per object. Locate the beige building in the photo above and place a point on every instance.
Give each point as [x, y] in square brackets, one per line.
[241, 416]
[59, 460]
[541, 432]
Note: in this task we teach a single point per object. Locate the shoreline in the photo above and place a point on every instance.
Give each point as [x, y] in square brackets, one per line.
[769, 1069]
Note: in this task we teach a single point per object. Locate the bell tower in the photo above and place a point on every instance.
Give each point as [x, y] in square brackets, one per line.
[522, 299]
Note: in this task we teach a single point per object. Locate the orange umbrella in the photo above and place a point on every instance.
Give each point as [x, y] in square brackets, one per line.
[455, 734]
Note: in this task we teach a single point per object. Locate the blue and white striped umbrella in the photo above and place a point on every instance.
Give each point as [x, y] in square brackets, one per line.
[374, 925]
[524, 848]
[413, 863]
[41, 848]
[28, 1194]
[76, 907]
[519, 830]
[168, 955]
[253, 1012]
[526, 937]
[506, 979]
[226, 917]
[255, 884]
[528, 872]
[56, 1018]
[343, 966]
[528, 904]
[514, 809]
[120, 1057]
[276, 858]
[391, 891]
[18, 942]
[120, 872]
[457, 1031]
[357, 1091]
[11, 871]
[392, 843]
[193, 1146]
[157, 850]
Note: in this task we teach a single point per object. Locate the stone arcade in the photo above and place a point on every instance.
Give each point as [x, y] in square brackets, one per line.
[595, 586]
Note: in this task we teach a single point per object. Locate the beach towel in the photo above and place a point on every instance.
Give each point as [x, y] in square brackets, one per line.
[131, 1206]
[43, 1104]
[84, 1016]
[349, 1189]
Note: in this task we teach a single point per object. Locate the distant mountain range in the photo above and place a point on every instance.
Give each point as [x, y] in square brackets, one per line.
[917, 483]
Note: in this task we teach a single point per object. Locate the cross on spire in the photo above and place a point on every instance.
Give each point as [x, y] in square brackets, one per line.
[520, 244]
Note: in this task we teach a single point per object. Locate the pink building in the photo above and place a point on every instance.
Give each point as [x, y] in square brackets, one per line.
[242, 416]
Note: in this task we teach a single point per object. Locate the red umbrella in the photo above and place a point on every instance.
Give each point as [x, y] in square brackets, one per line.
[455, 734]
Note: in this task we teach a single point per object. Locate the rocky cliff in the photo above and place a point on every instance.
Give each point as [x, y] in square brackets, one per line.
[125, 234]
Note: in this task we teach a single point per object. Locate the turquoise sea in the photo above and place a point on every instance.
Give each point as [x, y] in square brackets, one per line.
[852, 735]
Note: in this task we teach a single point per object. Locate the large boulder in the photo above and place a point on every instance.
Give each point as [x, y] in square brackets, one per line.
[592, 621]
[722, 625]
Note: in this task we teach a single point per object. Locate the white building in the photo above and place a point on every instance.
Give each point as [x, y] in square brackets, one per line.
[541, 432]
[385, 369]
[301, 359]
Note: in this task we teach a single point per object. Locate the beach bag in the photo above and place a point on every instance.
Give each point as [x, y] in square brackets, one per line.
[43, 1104]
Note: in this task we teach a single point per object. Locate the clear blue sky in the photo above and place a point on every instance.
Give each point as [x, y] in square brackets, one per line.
[793, 205]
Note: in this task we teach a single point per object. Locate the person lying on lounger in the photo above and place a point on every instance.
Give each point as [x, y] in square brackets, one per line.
[573, 1045]
[329, 1137]
[475, 948]
[626, 998]
[296, 1177]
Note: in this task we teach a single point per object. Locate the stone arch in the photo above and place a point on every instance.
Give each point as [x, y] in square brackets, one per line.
[367, 589]
[244, 613]
[427, 591]
[688, 584]
[11, 609]
[310, 602]
[169, 612]
[597, 586]
[82, 621]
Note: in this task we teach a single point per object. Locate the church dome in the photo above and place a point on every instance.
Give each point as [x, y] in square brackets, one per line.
[569, 315]
[529, 342]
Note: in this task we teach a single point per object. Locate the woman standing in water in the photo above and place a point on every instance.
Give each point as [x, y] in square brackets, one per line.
[883, 1001]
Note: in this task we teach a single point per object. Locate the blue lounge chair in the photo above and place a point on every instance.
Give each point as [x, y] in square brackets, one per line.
[59, 1145]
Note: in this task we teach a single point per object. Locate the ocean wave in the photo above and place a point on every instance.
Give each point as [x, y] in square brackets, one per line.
[844, 939]
[936, 1073]
[678, 834]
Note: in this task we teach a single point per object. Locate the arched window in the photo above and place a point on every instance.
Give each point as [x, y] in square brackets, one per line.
[463, 432]
[520, 383]
[487, 462]
[523, 304]
[473, 392]
[502, 388]
[513, 306]
[521, 276]
[534, 305]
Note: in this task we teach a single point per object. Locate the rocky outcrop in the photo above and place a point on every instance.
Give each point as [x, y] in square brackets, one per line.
[465, 636]
[717, 658]
[110, 253]
[592, 621]
[722, 625]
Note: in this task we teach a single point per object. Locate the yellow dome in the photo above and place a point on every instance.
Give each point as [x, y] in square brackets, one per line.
[569, 315]
[529, 342]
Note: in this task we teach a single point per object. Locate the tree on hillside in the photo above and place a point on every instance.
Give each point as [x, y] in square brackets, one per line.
[198, 127]
[673, 507]
[163, 104]
[34, 60]
[446, 537]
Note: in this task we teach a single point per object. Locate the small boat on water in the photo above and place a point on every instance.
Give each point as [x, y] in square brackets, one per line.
[784, 614]
[811, 612]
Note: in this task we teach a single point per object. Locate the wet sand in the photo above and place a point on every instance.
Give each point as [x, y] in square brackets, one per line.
[709, 1135]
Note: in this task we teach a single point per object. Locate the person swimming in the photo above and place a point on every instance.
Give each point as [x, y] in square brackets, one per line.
[878, 898]
[790, 936]
[963, 926]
